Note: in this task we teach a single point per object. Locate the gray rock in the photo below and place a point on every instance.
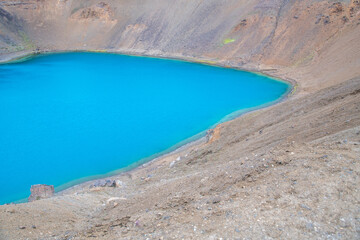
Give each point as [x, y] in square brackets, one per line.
[318, 18]
[305, 207]
[172, 164]
[327, 20]
[310, 226]
[119, 184]
[104, 183]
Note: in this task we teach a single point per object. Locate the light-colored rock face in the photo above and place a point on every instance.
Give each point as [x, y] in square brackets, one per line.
[284, 34]
[41, 191]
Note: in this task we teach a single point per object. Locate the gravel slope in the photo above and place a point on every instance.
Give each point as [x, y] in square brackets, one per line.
[290, 171]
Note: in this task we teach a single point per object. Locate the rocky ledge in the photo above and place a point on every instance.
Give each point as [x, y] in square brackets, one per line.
[41, 191]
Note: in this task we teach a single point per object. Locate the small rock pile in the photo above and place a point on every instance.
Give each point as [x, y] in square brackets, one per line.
[106, 183]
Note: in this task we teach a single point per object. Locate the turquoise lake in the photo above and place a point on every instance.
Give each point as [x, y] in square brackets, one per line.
[67, 118]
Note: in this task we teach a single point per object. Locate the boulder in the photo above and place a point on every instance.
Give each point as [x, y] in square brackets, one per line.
[104, 183]
[119, 184]
[41, 191]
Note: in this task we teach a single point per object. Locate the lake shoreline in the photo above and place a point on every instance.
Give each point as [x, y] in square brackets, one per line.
[286, 171]
[24, 55]
[186, 145]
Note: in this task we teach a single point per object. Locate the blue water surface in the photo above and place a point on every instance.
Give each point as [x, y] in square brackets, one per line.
[77, 116]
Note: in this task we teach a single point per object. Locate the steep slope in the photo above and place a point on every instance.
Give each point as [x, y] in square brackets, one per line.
[12, 37]
[290, 171]
[288, 37]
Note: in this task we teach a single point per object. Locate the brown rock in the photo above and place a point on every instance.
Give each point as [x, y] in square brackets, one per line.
[41, 191]
[216, 200]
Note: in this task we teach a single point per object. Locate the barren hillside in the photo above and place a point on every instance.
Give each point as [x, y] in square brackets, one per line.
[288, 37]
[290, 171]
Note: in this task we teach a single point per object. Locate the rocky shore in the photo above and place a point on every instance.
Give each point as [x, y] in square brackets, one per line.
[289, 171]
[269, 173]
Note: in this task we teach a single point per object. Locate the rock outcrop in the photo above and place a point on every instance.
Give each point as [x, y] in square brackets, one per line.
[41, 191]
[100, 11]
[101, 183]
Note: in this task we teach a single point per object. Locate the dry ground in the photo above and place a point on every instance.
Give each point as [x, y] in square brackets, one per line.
[290, 171]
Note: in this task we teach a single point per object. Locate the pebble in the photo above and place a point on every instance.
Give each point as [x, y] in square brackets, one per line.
[310, 226]
[11, 211]
[344, 223]
[119, 183]
[216, 200]
[172, 164]
[137, 223]
[305, 206]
